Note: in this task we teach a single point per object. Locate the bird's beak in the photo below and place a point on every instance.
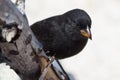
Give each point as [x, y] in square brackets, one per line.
[86, 33]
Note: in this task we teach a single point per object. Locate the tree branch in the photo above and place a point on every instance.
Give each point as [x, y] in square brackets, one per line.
[24, 53]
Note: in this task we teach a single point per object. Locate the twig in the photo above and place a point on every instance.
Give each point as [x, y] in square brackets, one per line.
[44, 72]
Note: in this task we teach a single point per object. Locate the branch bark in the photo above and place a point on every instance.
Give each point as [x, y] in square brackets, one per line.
[24, 53]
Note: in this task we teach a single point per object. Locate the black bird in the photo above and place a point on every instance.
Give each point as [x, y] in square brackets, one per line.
[64, 35]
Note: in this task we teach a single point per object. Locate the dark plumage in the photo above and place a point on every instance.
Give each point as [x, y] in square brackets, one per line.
[64, 35]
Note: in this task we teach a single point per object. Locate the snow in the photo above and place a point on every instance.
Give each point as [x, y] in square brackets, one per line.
[6, 73]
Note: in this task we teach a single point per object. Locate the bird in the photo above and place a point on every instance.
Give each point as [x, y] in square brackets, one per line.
[64, 35]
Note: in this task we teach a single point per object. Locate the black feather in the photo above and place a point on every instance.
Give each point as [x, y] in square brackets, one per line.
[61, 34]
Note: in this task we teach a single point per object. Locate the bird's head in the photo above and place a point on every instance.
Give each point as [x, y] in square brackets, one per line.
[81, 22]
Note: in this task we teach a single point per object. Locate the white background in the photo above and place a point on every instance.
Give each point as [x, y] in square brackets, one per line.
[100, 60]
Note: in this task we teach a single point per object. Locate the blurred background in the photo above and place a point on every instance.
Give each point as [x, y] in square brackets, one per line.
[100, 60]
